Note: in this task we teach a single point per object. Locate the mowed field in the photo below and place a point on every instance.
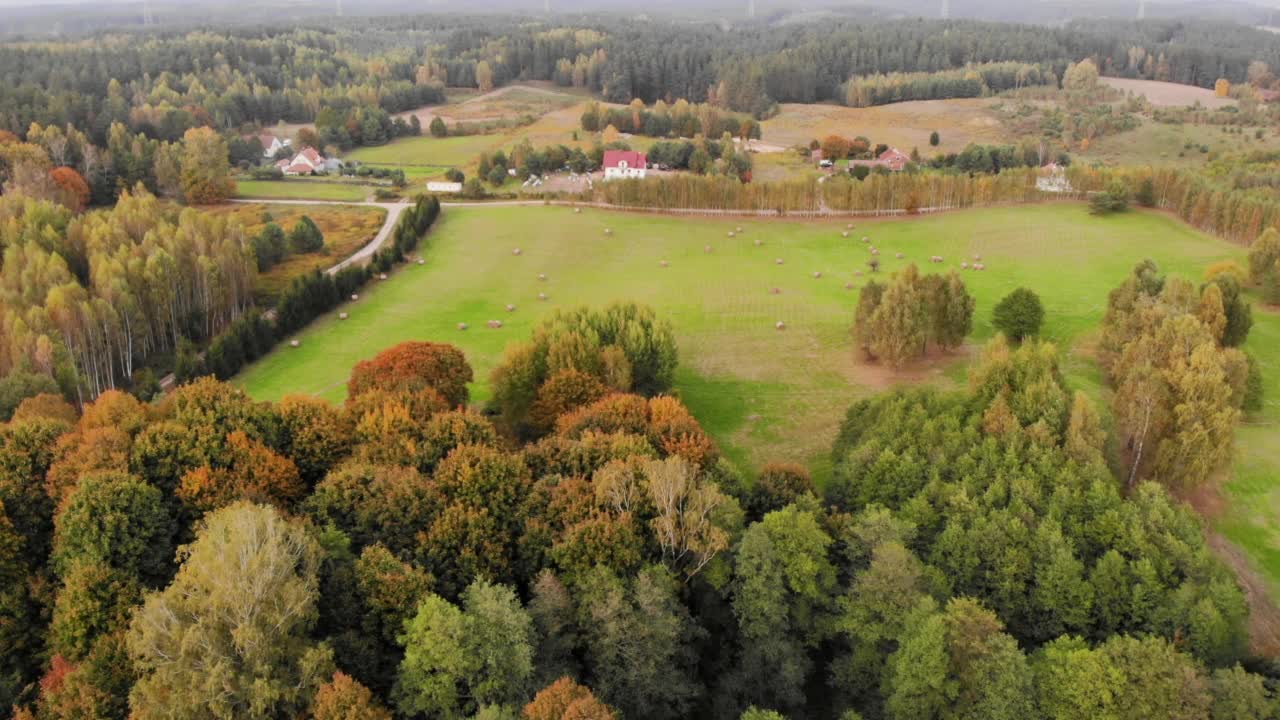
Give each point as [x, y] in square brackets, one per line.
[766, 394]
[302, 190]
[901, 125]
[1166, 94]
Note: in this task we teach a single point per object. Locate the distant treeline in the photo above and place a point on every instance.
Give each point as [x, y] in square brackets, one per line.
[163, 83]
[972, 81]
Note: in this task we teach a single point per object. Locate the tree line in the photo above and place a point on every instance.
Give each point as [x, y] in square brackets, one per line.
[582, 550]
[972, 81]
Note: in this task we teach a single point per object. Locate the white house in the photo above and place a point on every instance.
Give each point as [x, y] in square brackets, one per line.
[444, 187]
[624, 164]
[306, 162]
[272, 145]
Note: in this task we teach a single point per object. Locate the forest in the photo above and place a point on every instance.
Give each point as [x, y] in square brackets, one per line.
[581, 550]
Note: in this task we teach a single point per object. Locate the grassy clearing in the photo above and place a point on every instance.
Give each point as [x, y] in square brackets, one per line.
[1166, 94]
[302, 190]
[345, 229]
[764, 394]
[1154, 143]
[902, 125]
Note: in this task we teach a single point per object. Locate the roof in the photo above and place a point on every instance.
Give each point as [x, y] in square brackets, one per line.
[615, 158]
[311, 155]
[891, 154]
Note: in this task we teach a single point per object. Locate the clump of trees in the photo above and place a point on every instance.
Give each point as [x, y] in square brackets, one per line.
[623, 348]
[1264, 265]
[895, 322]
[679, 119]
[1169, 351]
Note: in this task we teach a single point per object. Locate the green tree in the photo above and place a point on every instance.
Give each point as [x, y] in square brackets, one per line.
[95, 601]
[118, 521]
[934, 139]
[457, 660]
[305, 236]
[1019, 314]
[231, 636]
[1263, 256]
[438, 128]
[205, 168]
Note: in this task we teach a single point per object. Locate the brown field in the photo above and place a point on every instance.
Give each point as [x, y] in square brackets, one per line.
[1166, 94]
[902, 125]
[505, 103]
[345, 228]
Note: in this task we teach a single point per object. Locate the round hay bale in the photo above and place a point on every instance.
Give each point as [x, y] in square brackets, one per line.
[383, 276]
[731, 233]
[849, 226]
[977, 257]
[343, 316]
[542, 296]
[848, 286]
[775, 291]
[515, 251]
[355, 296]
[875, 251]
[511, 308]
[706, 248]
[844, 234]
[294, 343]
[542, 277]
[577, 211]
[757, 242]
[664, 263]
[463, 326]
[739, 229]
[816, 275]
[964, 266]
[494, 324]
[857, 273]
[421, 261]
[898, 255]
[780, 325]
[608, 231]
[866, 239]
[777, 261]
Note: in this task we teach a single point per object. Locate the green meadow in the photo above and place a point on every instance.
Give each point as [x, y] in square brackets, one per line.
[764, 393]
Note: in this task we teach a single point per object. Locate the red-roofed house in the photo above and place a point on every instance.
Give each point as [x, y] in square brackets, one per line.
[893, 160]
[304, 163]
[624, 164]
[272, 144]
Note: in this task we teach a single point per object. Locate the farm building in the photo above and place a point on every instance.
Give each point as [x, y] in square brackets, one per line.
[272, 144]
[444, 187]
[306, 162]
[624, 164]
[893, 160]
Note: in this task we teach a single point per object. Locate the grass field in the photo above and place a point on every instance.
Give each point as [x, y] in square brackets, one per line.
[302, 190]
[345, 229]
[902, 125]
[1154, 143]
[1166, 94]
[766, 394]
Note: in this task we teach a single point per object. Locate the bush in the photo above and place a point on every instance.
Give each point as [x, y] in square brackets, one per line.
[438, 128]
[1019, 315]
[269, 246]
[1114, 199]
[306, 237]
[454, 175]
[1253, 389]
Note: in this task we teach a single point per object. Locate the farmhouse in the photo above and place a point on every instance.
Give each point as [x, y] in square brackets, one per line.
[306, 162]
[893, 160]
[272, 144]
[624, 164]
[444, 187]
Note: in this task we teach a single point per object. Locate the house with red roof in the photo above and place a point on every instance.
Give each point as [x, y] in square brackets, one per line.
[306, 162]
[272, 145]
[624, 164]
[892, 159]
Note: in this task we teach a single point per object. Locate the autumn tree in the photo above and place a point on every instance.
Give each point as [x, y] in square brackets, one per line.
[343, 698]
[414, 365]
[74, 191]
[230, 637]
[1263, 256]
[205, 168]
[565, 699]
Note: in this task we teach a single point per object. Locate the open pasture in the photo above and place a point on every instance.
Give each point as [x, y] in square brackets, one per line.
[903, 125]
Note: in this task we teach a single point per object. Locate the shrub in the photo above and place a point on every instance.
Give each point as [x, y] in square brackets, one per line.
[306, 237]
[269, 246]
[438, 128]
[1019, 315]
[454, 175]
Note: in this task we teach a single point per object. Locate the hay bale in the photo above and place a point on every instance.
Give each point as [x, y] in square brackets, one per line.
[515, 251]
[608, 231]
[875, 251]
[421, 261]
[866, 239]
[857, 273]
[542, 296]
[511, 308]
[780, 325]
[816, 275]
[739, 229]
[355, 296]
[542, 277]
[706, 248]
[577, 211]
[849, 226]
[977, 257]
[777, 261]
[730, 233]
[757, 242]
[463, 326]
[898, 255]
[848, 286]
[964, 266]
[343, 316]
[494, 324]
[844, 234]
[294, 343]
[664, 263]
[383, 276]
[775, 291]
